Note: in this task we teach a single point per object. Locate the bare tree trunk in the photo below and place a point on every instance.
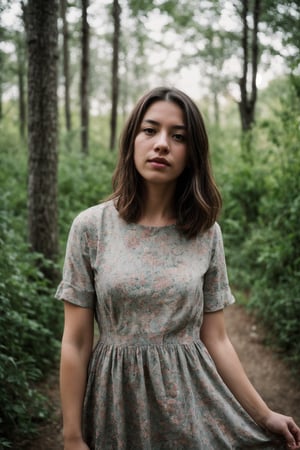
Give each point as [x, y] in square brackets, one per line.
[2, 62]
[248, 99]
[116, 12]
[216, 109]
[21, 83]
[255, 52]
[66, 63]
[243, 80]
[41, 20]
[84, 99]
[1, 87]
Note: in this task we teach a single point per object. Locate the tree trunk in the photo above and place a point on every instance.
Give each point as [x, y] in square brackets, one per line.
[2, 62]
[216, 109]
[1, 87]
[243, 104]
[255, 52]
[66, 63]
[84, 99]
[248, 99]
[116, 12]
[21, 83]
[42, 127]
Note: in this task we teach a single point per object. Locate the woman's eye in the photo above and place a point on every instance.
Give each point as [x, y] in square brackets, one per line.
[179, 137]
[149, 131]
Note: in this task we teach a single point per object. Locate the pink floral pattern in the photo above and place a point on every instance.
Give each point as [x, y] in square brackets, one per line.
[152, 384]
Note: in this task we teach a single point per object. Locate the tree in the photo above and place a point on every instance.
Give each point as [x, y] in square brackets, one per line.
[250, 61]
[42, 40]
[284, 16]
[116, 12]
[2, 59]
[214, 45]
[84, 84]
[66, 62]
[135, 67]
[21, 70]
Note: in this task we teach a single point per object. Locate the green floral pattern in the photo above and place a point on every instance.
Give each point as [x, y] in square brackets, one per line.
[152, 384]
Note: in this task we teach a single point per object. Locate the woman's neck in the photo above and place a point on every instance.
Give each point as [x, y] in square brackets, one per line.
[158, 207]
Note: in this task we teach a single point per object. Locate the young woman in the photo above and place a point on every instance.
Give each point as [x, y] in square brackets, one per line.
[149, 266]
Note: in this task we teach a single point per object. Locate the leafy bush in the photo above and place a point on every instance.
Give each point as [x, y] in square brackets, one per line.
[28, 332]
[83, 182]
[30, 318]
[276, 292]
[261, 223]
[242, 198]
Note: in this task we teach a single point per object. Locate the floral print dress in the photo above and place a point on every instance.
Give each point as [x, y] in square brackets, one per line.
[152, 384]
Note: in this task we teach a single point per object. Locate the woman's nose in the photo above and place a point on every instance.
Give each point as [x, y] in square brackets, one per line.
[161, 143]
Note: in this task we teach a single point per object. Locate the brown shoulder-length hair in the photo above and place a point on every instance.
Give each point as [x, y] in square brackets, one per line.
[197, 198]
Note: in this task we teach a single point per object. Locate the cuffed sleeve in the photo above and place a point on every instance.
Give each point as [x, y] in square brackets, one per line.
[77, 285]
[216, 289]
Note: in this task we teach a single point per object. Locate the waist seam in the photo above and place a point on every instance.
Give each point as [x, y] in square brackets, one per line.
[149, 344]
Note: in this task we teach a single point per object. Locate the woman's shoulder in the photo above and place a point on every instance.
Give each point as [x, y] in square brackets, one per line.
[211, 238]
[94, 215]
[213, 232]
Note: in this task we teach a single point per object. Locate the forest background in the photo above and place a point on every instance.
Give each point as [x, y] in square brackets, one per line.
[70, 73]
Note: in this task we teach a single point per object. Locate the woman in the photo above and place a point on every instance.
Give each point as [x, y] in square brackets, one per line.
[149, 266]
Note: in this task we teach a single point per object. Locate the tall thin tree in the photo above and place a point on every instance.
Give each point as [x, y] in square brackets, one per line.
[42, 39]
[116, 13]
[2, 65]
[248, 88]
[66, 62]
[1, 83]
[21, 71]
[84, 82]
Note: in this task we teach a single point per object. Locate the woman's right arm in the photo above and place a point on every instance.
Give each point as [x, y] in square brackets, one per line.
[77, 344]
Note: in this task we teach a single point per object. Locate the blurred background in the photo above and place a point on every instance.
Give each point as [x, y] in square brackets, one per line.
[70, 73]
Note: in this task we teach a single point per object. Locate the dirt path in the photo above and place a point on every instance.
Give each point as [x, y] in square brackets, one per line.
[269, 374]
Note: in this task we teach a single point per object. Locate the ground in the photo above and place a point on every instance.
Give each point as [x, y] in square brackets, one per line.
[271, 376]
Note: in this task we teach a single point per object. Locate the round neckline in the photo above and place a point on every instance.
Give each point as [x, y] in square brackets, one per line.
[135, 225]
[151, 227]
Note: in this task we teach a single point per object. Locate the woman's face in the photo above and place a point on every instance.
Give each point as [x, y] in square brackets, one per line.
[160, 150]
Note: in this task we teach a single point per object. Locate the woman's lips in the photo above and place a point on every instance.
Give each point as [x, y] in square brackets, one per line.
[159, 162]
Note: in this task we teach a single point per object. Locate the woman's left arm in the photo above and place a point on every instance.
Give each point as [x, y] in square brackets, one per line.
[214, 336]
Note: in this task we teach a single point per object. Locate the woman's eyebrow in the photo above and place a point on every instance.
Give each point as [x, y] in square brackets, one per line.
[154, 122]
[179, 127]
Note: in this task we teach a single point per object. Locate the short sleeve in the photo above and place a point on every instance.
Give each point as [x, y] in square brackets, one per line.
[77, 285]
[216, 289]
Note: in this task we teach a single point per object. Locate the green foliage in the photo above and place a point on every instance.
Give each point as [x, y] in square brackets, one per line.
[83, 182]
[276, 294]
[28, 330]
[261, 220]
[30, 318]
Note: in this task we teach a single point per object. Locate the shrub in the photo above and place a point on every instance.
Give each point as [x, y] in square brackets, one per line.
[28, 333]
[261, 224]
[276, 241]
[30, 318]
[83, 182]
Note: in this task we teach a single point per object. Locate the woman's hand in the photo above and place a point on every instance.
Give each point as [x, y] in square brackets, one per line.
[75, 444]
[284, 425]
